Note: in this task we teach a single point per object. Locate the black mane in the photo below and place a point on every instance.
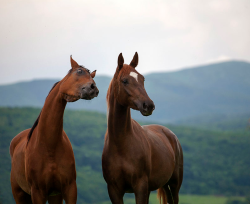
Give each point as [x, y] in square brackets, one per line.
[37, 120]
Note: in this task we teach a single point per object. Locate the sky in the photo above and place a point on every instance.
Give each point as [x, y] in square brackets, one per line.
[38, 37]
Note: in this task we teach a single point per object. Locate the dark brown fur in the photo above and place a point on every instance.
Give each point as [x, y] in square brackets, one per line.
[138, 159]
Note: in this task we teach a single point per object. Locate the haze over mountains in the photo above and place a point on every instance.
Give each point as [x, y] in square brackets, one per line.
[216, 89]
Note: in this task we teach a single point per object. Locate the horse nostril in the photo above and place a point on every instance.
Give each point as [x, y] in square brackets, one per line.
[92, 86]
[145, 106]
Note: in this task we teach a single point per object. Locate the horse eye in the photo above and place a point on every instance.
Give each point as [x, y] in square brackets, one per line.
[79, 71]
[125, 81]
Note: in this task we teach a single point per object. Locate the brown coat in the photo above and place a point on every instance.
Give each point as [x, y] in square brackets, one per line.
[138, 159]
[43, 164]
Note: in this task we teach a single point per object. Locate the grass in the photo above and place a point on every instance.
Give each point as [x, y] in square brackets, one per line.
[193, 199]
[186, 199]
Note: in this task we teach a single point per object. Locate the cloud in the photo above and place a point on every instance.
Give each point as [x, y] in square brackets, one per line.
[37, 37]
[222, 58]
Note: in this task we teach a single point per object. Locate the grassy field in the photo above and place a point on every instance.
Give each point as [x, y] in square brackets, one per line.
[193, 199]
[186, 199]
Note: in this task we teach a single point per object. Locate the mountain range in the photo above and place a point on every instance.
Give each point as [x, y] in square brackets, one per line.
[215, 89]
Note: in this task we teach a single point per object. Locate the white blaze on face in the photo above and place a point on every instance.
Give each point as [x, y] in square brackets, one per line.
[133, 74]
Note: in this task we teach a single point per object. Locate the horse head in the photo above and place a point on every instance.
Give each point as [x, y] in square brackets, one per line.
[79, 83]
[129, 87]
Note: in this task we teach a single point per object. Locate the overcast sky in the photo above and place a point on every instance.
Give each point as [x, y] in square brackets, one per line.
[38, 37]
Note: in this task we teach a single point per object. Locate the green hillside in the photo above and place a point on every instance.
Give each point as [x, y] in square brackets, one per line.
[222, 122]
[221, 88]
[216, 89]
[215, 162]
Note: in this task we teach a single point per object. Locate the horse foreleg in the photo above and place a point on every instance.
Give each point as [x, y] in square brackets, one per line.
[19, 195]
[70, 193]
[141, 192]
[115, 194]
[57, 199]
[38, 196]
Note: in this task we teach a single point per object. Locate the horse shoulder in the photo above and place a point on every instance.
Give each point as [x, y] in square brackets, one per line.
[17, 152]
[19, 138]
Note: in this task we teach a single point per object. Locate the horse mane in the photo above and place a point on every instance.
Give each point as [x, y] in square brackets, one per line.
[37, 120]
[108, 97]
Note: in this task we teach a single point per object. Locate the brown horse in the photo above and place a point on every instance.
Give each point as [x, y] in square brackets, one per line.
[138, 159]
[43, 163]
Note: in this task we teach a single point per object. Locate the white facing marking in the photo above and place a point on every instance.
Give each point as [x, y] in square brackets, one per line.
[133, 74]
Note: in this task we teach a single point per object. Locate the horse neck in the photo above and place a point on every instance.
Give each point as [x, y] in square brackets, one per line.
[50, 126]
[119, 121]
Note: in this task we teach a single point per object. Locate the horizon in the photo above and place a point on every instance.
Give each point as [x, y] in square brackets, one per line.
[110, 76]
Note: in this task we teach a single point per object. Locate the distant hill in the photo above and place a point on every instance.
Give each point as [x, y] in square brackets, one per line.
[221, 122]
[215, 162]
[222, 89]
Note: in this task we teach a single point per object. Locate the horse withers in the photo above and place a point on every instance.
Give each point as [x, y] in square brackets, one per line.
[43, 163]
[138, 159]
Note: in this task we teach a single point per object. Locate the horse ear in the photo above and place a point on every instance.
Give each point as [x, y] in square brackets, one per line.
[134, 61]
[120, 61]
[93, 74]
[73, 63]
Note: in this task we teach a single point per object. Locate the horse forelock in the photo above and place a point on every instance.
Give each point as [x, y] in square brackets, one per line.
[80, 66]
[126, 69]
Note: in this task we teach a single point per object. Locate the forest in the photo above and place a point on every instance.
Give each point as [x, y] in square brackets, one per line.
[216, 162]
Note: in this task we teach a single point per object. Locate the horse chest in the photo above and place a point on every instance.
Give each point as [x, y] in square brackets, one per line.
[50, 169]
[120, 167]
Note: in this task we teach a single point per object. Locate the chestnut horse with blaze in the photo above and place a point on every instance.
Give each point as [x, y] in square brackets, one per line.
[138, 159]
[43, 163]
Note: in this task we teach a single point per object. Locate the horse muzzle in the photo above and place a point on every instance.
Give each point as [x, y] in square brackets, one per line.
[89, 91]
[147, 108]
